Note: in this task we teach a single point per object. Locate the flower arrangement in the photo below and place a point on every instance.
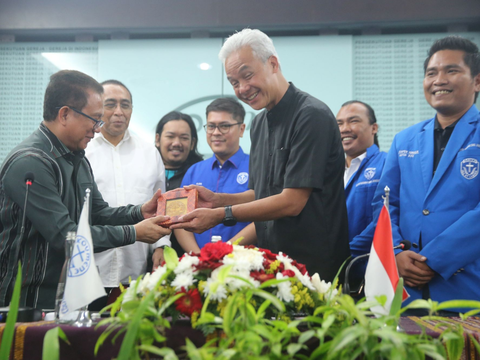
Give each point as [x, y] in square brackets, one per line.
[220, 270]
[240, 297]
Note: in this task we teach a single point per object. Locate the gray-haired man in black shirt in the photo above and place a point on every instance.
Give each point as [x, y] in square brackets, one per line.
[296, 165]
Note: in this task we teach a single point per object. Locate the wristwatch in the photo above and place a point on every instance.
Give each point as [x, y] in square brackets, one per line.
[229, 219]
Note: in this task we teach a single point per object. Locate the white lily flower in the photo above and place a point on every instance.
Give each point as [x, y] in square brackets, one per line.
[323, 287]
[130, 292]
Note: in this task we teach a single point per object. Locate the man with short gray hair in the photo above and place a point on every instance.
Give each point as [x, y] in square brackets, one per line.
[296, 196]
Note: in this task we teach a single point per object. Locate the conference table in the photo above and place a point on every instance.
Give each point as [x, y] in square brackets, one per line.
[28, 340]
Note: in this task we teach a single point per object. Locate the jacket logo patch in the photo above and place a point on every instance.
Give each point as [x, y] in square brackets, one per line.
[469, 168]
[369, 173]
[242, 178]
[406, 153]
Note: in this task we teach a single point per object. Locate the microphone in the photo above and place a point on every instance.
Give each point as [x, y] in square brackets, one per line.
[28, 178]
[404, 245]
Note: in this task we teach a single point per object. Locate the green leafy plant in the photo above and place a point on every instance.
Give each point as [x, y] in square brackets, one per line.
[255, 323]
[142, 322]
[51, 343]
[9, 331]
[340, 329]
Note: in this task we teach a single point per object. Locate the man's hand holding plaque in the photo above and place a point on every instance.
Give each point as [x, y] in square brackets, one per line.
[175, 204]
[206, 198]
[200, 220]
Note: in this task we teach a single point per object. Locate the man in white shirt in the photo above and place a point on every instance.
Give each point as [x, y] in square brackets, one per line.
[127, 170]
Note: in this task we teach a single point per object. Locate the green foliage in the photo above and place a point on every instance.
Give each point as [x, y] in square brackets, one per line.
[141, 322]
[338, 329]
[51, 345]
[341, 329]
[397, 299]
[171, 257]
[9, 330]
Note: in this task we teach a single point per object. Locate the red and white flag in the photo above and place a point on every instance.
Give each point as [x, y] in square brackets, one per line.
[381, 277]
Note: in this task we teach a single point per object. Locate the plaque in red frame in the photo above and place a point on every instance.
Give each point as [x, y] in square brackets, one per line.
[176, 203]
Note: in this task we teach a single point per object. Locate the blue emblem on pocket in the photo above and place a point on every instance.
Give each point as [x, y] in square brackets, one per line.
[469, 168]
[369, 173]
[81, 257]
[242, 178]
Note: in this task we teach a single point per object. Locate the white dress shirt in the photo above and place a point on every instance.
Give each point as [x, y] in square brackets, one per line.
[128, 173]
[354, 165]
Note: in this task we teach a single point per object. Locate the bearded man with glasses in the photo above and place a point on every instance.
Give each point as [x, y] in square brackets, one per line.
[54, 154]
[225, 172]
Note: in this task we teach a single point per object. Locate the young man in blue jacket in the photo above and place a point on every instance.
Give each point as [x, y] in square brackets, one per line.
[363, 166]
[432, 171]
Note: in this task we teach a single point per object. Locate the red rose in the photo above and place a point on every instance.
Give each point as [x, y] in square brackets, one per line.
[266, 263]
[288, 273]
[215, 251]
[300, 267]
[189, 303]
[205, 265]
[261, 276]
[267, 254]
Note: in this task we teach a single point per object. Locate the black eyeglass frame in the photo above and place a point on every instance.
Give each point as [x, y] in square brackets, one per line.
[98, 123]
[218, 127]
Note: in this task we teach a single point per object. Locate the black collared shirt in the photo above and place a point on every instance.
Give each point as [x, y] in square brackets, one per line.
[440, 141]
[297, 145]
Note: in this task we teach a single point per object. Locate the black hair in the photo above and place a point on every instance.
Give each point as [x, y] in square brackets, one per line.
[455, 42]
[68, 88]
[229, 105]
[370, 113]
[119, 83]
[193, 156]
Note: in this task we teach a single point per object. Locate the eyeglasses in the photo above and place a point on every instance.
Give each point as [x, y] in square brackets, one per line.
[98, 123]
[223, 128]
[113, 105]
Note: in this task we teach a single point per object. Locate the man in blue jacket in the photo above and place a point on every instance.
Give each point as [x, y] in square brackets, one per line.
[363, 166]
[432, 171]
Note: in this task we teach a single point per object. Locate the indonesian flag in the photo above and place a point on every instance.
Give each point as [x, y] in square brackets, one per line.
[381, 276]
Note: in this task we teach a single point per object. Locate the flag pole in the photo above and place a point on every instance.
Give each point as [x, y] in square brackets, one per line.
[386, 198]
[87, 194]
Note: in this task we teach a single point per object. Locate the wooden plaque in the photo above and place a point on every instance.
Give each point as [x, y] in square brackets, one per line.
[175, 203]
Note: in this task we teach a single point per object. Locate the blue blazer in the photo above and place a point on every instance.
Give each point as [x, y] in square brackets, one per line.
[440, 212]
[359, 195]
